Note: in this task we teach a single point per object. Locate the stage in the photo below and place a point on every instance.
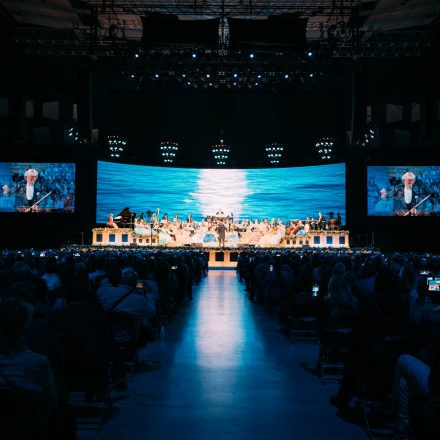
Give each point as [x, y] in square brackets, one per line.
[217, 256]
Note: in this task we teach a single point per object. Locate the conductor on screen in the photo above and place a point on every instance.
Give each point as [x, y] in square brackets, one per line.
[31, 176]
[408, 197]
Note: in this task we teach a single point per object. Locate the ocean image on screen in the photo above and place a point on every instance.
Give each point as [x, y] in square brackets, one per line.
[403, 190]
[280, 193]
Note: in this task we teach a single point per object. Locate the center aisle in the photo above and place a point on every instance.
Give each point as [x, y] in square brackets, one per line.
[223, 372]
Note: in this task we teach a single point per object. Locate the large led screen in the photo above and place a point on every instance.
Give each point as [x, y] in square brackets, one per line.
[403, 191]
[37, 187]
[279, 193]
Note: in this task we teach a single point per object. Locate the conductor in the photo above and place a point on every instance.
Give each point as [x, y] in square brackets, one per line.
[221, 229]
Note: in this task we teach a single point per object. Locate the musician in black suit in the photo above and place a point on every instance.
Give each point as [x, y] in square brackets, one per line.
[406, 195]
[221, 229]
[28, 189]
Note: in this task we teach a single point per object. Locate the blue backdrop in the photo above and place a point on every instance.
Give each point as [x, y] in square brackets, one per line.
[286, 193]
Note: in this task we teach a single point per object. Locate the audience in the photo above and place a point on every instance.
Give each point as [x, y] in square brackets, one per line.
[384, 300]
[50, 300]
[56, 326]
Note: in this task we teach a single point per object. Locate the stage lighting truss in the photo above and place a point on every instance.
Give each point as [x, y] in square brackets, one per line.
[325, 148]
[274, 153]
[116, 146]
[220, 152]
[168, 151]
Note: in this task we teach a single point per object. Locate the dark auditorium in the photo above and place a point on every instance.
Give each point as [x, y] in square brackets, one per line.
[220, 219]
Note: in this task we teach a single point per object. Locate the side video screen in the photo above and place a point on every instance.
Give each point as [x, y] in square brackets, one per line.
[404, 191]
[37, 187]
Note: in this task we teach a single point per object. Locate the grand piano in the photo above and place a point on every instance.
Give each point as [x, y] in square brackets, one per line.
[125, 219]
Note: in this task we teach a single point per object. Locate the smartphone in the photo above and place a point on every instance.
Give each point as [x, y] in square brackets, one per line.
[42, 254]
[173, 267]
[139, 285]
[434, 285]
[315, 290]
[271, 268]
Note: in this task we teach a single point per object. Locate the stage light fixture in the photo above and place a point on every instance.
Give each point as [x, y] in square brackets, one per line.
[274, 152]
[168, 151]
[325, 148]
[371, 138]
[116, 146]
[220, 152]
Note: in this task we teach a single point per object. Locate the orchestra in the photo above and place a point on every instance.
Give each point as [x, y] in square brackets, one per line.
[265, 232]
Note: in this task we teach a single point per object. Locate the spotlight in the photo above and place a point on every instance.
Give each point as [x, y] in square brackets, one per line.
[220, 152]
[168, 151]
[324, 147]
[116, 146]
[274, 153]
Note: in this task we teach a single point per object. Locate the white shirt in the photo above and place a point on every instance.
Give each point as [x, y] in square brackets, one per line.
[407, 194]
[29, 191]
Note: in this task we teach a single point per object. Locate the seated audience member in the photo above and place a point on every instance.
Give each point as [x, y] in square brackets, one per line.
[341, 308]
[167, 286]
[50, 276]
[79, 318]
[26, 374]
[367, 278]
[120, 294]
[389, 316]
[414, 382]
